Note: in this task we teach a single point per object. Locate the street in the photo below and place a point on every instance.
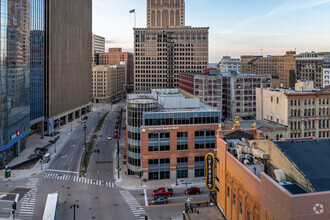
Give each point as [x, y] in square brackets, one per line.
[97, 194]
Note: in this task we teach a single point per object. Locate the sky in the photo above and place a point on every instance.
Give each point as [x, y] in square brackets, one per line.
[237, 27]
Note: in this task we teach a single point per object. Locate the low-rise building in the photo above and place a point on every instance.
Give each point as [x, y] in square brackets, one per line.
[233, 93]
[262, 179]
[168, 135]
[108, 82]
[228, 64]
[304, 110]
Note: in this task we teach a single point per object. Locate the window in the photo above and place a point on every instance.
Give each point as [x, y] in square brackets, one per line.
[159, 169]
[247, 215]
[158, 141]
[199, 166]
[182, 140]
[204, 139]
[240, 208]
[228, 191]
[234, 199]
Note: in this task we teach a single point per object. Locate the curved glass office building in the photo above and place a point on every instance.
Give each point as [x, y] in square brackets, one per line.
[135, 110]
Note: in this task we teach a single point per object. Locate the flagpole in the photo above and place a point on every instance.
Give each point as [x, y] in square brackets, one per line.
[134, 19]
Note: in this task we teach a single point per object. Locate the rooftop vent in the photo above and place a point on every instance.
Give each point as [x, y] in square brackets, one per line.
[279, 175]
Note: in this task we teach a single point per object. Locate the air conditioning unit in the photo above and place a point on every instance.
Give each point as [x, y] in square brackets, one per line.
[279, 175]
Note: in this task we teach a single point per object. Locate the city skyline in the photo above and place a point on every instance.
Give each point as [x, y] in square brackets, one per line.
[241, 28]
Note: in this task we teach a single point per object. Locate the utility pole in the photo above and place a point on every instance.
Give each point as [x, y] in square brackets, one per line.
[74, 206]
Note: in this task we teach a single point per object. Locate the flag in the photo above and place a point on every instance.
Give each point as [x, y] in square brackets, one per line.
[132, 11]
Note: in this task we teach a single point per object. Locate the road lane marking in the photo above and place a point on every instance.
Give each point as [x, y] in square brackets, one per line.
[61, 171]
[113, 185]
[145, 197]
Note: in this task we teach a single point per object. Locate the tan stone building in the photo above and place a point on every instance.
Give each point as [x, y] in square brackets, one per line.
[116, 56]
[281, 67]
[108, 82]
[167, 48]
[304, 110]
[68, 91]
[163, 13]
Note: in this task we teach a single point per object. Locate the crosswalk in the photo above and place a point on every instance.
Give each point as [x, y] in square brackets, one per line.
[67, 177]
[28, 201]
[134, 205]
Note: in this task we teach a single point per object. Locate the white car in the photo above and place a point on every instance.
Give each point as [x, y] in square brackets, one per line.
[109, 138]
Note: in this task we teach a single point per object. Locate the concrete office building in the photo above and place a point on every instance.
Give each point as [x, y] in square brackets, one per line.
[282, 67]
[168, 135]
[108, 82]
[68, 91]
[228, 64]
[305, 110]
[326, 76]
[166, 47]
[14, 77]
[98, 46]
[117, 56]
[233, 93]
[310, 66]
[262, 179]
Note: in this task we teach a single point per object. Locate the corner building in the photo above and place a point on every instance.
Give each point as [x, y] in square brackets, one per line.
[167, 47]
[169, 135]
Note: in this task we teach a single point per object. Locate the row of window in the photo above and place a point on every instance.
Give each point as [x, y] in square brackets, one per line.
[248, 215]
[295, 102]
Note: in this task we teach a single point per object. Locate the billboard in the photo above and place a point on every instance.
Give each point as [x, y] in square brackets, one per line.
[210, 176]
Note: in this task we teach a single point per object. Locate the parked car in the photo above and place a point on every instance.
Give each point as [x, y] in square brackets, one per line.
[163, 192]
[115, 134]
[109, 138]
[159, 200]
[192, 190]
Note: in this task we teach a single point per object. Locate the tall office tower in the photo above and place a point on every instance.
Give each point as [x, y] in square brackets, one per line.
[37, 66]
[14, 78]
[68, 89]
[313, 66]
[98, 46]
[281, 67]
[162, 52]
[163, 13]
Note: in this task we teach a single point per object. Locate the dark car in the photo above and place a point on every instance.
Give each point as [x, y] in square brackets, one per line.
[159, 200]
[192, 190]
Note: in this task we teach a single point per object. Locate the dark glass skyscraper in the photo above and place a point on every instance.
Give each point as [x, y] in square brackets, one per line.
[18, 19]
[37, 62]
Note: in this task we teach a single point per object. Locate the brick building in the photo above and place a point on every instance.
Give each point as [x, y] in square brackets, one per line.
[117, 56]
[305, 110]
[168, 135]
[233, 93]
[264, 180]
[313, 66]
[283, 67]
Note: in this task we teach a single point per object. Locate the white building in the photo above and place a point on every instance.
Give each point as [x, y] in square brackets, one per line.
[98, 46]
[326, 77]
[227, 64]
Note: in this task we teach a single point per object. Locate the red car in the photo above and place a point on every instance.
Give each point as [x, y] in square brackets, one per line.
[192, 190]
[163, 192]
[115, 134]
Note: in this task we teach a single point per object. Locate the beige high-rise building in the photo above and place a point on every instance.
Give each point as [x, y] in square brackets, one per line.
[108, 82]
[163, 51]
[163, 13]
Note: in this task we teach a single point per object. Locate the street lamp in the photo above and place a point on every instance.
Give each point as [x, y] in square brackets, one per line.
[74, 206]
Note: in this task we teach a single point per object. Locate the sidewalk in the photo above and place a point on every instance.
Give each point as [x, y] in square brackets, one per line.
[133, 182]
[34, 142]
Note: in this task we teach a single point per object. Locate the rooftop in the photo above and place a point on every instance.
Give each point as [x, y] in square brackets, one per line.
[293, 92]
[260, 124]
[312, 158]
[217, 73]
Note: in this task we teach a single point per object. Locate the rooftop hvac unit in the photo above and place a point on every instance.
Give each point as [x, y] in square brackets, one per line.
[279, 175]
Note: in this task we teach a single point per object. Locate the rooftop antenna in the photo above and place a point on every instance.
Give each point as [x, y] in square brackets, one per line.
[262, 52]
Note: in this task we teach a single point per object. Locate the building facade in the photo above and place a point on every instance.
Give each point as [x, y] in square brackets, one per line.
[37, 66]
[163, 51]
[14, 77]
[68, 91]
[108, 82]
[169, 135]
[326, 76]
[117, 56]
[312, 66]
[98, 46]
[164, 13]
[232, 93]
[264, 180]
[228, 64]
[283, 67]
[305, 111]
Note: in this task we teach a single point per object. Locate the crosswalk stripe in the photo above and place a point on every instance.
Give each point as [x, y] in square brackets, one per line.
[113, 185]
